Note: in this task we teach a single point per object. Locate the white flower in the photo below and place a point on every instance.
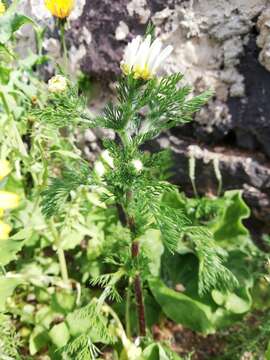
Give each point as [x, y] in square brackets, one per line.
[143, 58]
[137, 164]
[99, 168]
[57, 83]
[107, 158]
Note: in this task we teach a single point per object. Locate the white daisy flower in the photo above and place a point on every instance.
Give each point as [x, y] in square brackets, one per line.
[143, 58]
[57, 83]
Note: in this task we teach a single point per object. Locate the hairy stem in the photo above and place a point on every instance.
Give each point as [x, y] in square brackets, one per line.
[135, 249]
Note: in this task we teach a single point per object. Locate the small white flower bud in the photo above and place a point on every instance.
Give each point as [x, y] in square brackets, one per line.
[99, 168]
[138, 165]
[107, 158]
[57, 84]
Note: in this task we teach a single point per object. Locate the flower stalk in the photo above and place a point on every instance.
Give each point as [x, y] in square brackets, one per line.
[62, 23]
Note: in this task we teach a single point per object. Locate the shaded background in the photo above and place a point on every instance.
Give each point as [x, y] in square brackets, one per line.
[222, 44]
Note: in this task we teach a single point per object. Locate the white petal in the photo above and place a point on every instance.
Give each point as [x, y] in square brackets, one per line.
[143, 52]
[162, 57]
[154, 52]
[131, 51]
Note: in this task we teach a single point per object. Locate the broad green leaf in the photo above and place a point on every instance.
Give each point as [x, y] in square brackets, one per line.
[7, 286]
[9, 250]
[159, 352]
[59, 335]
[45, 316]
[63, 302]
[239, 301]
[229, 229]
[213, 311]
[183, 309]
[39, 339]
[77, 325]
[153, 248]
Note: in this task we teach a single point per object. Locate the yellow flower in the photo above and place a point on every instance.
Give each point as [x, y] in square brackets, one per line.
[2, 8]
[5, 169]
[57, 84]
[142, 57]
[8, 200]
[4, 230]
[60, 8]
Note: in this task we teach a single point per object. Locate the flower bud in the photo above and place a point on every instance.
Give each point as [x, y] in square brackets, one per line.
[57, 84]
[107, 158]
[138, 165]
[99, 168]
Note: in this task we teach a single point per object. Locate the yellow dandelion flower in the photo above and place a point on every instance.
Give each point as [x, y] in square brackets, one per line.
[5, 169]
[8, 200]
[60, 8]
[4, 231]
[2, 8]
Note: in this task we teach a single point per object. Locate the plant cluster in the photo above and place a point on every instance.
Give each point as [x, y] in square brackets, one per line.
[93, 255]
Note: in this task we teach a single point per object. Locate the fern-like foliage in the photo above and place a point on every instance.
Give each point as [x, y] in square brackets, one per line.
[64, 109]
[82, 348]
[212, 272]
[9, 340]
[146, 109]
[58, 191]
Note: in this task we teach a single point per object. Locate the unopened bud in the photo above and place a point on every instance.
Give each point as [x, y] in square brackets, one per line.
[57, 84]
[138, 165]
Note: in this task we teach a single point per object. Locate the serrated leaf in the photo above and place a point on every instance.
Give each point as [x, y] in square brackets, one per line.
[9, 250]
[7, 286]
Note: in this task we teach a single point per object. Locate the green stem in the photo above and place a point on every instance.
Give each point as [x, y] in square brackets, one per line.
[63, 264]
[63, 44]
[5, 103]
[127, 312]
[60, 253]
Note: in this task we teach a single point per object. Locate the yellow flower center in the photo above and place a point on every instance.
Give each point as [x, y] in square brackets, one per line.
[142, 72]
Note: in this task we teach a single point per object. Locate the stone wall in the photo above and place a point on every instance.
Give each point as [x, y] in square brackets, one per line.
[222, 44]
